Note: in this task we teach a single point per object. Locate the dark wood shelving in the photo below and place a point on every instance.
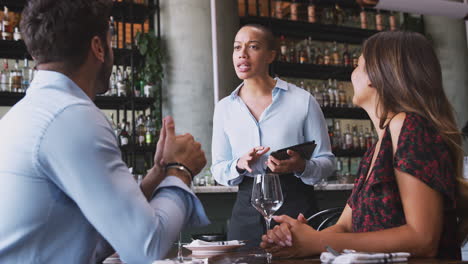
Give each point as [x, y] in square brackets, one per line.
[131, 12]
[103, 102]
[139, 149]
[312, 71]
[344, 113]
[302, 29]
[349, 153]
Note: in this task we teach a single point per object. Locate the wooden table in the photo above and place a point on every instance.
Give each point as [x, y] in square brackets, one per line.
[249, 257]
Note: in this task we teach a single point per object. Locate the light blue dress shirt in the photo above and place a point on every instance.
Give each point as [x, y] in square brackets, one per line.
[64, 186]
[293, 117]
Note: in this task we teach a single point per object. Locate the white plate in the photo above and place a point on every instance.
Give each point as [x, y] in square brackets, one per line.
[211, 249]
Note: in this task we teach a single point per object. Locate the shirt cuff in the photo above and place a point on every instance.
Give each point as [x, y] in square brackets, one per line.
[198, 217]
[236, 177]
[307, 169]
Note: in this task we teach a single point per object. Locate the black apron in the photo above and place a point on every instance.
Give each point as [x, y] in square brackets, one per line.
[247, 223]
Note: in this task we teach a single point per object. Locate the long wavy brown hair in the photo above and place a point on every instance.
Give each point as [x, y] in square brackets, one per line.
[404, 69]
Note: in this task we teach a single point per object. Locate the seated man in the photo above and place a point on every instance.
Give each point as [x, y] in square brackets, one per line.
[64, 189]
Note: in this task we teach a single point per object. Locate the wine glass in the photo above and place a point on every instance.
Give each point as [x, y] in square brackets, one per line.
[267, 198]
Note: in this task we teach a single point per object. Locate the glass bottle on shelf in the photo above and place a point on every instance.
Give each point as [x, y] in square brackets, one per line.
[356, 144]
[124, 135]
[336, 93]
[325, 95]
[27, 73]
[331, 135]
[150, 131]
[312, 12]
[335, 54]
[120, 83]
[294, 6]
[363, 16]
[348, 139]
[368, 138]
[337, 141]
[5, 77]
[7, 31]
[283, 49]
[318, 95]
[292, 56]
[16, 78]
[392, 21]
[113, 83]
[379, 21]
[310, 51]
[362, 139]
[326, 56]
[341, 96]
[355, 57]
[113, 32]
[346, 57]
[141, 130]
[278, 9]
[331, 93]
[303, 54]
[319, 57]
[339, 15]
[17, 34]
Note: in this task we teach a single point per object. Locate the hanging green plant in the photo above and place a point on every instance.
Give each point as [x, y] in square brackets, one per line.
[150, 48]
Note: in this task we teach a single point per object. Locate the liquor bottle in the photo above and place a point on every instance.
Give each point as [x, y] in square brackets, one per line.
[356, 144]
[392, 21]
[113, 83]
[335, 54]
[355, 58]
[337, 141]
[378, 21]
[326, 57]
[141, 130]
[17, 34]
[348, 139]
[368, 138]
[331, 135]
[5, 77]
[16, 78]
[336, 93]
[310, 51]
[362, 139]
[114, 126]
[27, 74]
[325, 95]
[339, 15]
[318, 95]
[303, 55]
[150, 131]
[292, 56]
[124, 135]
[319, 57]
[7, 31]
[311, 12]
[341, 96]
[331, 94]
[294, 15]
[279, 9]
[283, 49]
[120, 83]
[346, 56]
[363, 16]
[113, 32]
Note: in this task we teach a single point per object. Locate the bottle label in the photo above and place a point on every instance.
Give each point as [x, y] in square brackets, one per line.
[123, 141]
[141, 139]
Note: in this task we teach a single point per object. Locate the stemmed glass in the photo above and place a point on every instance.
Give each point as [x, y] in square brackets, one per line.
[267, 198]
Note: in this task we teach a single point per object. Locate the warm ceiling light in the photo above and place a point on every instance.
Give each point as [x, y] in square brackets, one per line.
[424, 7]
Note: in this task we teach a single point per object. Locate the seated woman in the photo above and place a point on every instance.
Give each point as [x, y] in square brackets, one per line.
[410, 195]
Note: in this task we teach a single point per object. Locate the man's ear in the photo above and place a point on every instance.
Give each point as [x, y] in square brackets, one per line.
[97, 48]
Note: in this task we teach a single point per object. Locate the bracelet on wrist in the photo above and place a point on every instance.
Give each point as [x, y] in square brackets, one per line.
[181, 167]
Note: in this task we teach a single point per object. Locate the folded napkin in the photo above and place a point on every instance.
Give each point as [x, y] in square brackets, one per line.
[199, 243]
[351, 256]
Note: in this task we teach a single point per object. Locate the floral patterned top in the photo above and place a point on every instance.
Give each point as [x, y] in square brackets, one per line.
[421, 152]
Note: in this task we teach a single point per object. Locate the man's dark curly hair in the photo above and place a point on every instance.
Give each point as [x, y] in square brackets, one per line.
[61, 30]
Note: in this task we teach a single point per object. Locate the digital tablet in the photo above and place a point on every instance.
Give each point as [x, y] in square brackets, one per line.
[304, 149]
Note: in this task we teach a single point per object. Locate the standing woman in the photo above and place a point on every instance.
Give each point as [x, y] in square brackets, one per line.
[410, 195]
[262, 115]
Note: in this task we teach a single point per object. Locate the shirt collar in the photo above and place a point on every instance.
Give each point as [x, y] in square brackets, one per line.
[56, 80]
[280, 84]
